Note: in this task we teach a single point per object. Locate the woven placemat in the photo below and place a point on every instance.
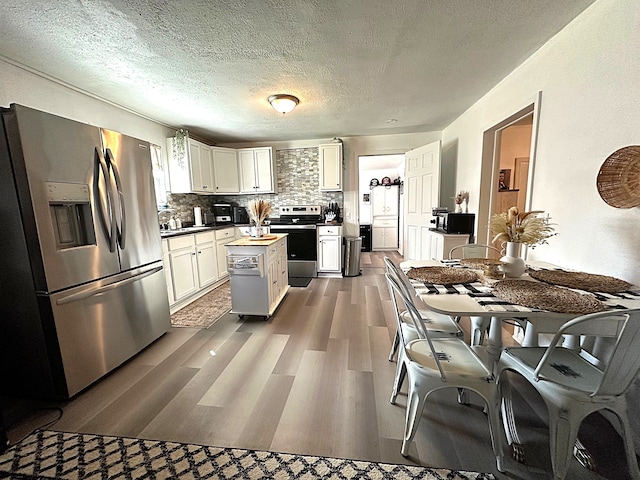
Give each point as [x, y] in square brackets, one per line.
[442, 275]
[479, 262]
[547, 297]
[589, 282]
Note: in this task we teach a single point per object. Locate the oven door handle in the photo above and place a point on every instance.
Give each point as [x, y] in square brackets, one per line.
[293, 226]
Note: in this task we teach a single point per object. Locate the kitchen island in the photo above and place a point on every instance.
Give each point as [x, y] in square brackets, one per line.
[259, 274]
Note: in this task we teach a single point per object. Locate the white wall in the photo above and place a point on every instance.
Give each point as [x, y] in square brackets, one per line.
[588, 75]
[26, 88]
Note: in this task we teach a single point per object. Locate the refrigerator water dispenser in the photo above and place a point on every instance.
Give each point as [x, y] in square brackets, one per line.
[70, 208]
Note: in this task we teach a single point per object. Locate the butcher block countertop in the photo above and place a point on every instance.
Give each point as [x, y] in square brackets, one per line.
[257, 241]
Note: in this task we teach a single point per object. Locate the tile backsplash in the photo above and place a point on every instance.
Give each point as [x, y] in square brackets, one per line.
[297, 182]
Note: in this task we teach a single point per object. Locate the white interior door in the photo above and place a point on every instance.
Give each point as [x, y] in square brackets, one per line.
[421, 194]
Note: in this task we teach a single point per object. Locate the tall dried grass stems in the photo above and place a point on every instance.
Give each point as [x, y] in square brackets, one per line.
[258, 211]
[521, 227]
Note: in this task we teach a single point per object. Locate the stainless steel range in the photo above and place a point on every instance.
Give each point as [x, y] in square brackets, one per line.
[299, 222]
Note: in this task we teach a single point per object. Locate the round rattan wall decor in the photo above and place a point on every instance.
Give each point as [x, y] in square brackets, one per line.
[619, 178]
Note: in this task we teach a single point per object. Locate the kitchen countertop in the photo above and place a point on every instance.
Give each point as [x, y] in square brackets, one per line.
[256, 241]
[191, 230]
[204, 228]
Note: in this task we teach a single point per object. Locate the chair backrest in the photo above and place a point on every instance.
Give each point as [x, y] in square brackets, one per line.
[623, 364]
[474, 250]
[398, 295]
[395, 271]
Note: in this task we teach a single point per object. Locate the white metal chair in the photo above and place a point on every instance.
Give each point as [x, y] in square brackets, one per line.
[437, 323]
[479, 325]
[474, 250]
[574, 384]
[433, 363]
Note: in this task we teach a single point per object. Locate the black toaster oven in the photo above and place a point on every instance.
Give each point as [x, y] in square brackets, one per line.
[454, 223]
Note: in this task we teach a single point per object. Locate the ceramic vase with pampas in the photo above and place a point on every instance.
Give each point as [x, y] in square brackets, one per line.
[258, 211]
[514, 228]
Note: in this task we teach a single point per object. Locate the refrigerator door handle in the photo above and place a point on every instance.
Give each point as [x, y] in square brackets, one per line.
[122, 229]
[74, 297]
[105, 212]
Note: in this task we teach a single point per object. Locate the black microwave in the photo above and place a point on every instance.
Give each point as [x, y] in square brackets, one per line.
[240, 216]
[454, 223]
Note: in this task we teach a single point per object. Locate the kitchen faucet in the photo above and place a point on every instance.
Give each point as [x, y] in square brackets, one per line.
[164, 225]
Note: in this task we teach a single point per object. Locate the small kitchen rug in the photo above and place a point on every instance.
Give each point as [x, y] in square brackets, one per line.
[205, 311]
[47, 454]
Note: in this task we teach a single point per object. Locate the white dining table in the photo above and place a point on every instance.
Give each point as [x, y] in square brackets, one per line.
[538, 321]
[464, 305]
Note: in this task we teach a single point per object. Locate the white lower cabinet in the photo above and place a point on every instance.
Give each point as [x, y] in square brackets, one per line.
[283, 267]
[183, 266]
[329, 249]
[259, 282]
[441, 243]
[192, 266]
[384, 233]
[183, 273]
[206, 258]
[223, 237]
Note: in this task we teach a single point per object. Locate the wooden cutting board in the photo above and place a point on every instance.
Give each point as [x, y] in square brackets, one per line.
[263, 238]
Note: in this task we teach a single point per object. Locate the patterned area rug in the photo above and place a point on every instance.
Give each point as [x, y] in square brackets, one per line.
[55, 455]
[204, 312]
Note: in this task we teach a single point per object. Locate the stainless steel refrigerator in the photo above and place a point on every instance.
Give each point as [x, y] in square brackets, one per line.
[82, 287]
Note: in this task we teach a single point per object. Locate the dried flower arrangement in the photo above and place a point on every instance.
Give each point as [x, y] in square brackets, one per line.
[521, 227]
[462, 196]
[258, 211]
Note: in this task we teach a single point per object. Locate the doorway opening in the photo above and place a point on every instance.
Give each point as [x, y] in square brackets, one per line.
[380, 232]
[512, 154]
[508, 161]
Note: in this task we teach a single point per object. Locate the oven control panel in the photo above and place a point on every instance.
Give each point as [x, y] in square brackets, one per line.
[290, 210]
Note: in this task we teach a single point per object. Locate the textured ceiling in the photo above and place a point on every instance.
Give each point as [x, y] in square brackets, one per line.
[209, 66]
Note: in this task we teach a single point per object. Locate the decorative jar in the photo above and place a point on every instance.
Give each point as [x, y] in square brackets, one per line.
[512, 265]
[256, 231]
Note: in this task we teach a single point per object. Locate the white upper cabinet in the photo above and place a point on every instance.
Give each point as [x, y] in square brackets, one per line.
[331, 167]
[385, 200]
[256, 170]
[225, 170]
[190, 166]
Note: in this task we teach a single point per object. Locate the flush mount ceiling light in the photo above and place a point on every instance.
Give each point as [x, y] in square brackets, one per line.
[283, 103]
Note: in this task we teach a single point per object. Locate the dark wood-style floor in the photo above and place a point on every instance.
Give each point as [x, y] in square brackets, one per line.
[313, 379]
